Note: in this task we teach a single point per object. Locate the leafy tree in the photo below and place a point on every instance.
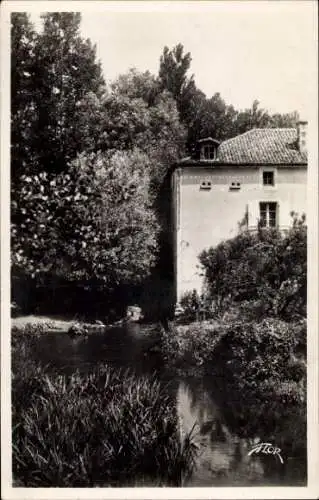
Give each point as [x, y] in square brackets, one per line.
[51, 72]
[66, 70]
[174, 65]
[137, 85]
[23, 116]
[135, 114]
[216, 119]
[256, 117]
[285, 120]
[190, 101]
[203, 116]
[93, 224]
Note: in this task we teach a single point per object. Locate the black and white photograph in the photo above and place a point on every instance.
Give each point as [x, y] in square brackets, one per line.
[159, 249]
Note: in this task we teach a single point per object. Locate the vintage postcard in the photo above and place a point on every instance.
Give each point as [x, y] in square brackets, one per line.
[159, 249]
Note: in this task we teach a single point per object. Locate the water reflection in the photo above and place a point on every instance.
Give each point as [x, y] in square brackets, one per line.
[223, 449]
[223, 459]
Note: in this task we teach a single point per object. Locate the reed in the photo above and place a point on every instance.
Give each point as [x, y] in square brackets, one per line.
[105, 428]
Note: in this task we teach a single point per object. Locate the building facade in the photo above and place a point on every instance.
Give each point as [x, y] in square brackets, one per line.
[258, 177]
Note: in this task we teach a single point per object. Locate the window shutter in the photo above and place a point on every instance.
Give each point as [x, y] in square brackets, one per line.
[284, 215]
[253, 214]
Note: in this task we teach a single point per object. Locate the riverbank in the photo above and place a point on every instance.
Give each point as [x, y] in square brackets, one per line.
[227, 422]
[39, 325]
[262, 357]
[107, 427]
[260, 369]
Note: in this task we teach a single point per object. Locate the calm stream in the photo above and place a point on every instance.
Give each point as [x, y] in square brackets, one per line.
[223, 458]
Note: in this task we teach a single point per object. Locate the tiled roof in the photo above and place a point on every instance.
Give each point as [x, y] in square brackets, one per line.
[262, 145]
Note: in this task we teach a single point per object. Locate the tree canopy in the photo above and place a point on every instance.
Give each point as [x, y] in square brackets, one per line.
[52, 70]
[93, 224]
[210, 116]
[88, 161]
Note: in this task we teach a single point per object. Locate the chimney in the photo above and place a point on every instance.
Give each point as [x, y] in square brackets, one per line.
[302, 136]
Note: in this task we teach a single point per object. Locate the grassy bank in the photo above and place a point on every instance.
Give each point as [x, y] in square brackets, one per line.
[259, 368]
[39, 325]
[260, 357]
[107, 428]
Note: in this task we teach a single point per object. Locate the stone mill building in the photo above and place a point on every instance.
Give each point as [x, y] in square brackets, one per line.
[258, 177]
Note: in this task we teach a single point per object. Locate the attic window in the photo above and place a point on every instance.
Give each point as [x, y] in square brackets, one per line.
[206, 186]
[208, 152]
[207, 149]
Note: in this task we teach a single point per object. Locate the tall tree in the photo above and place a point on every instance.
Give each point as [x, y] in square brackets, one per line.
[51, 72]
[174, 65]
[66, 69]
[256, 117]
[23, 112]
[212, 116]
[135, 114]
[98, 220]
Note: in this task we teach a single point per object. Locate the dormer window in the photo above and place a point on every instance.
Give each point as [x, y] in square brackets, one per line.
[208, 149]
[208, 152]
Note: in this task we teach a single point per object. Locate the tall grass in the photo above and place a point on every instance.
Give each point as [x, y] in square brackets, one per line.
[106, 428]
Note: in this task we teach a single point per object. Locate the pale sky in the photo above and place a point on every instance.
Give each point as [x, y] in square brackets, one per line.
[244, 50]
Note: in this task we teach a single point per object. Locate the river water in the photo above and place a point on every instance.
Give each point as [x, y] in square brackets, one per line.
[223, 458]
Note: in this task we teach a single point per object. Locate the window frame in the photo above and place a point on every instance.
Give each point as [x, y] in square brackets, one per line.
[212, 152]
[268, 212]
[269, 170]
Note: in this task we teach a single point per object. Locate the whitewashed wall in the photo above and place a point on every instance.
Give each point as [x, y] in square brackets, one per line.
[204, 218]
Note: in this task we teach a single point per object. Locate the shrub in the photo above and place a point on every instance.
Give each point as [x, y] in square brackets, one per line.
[261, 361]
[191, 346]
[106, 428]
[270, 354]
[190, 303]
[265, 270]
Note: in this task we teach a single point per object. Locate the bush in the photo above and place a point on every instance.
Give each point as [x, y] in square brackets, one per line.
[190, 303]
[267, 355]
[265, 270]
[106, 428]
[191, 346]
[262, 361]
[259, 369]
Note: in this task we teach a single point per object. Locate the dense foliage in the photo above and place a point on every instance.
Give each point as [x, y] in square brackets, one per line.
[265, 362]
[133, 114]
[265, 272]
[256, 345]
[88, 163]
[106, 428]
[260, 375]
[190, 347]
[51, 72]
[94, 223]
